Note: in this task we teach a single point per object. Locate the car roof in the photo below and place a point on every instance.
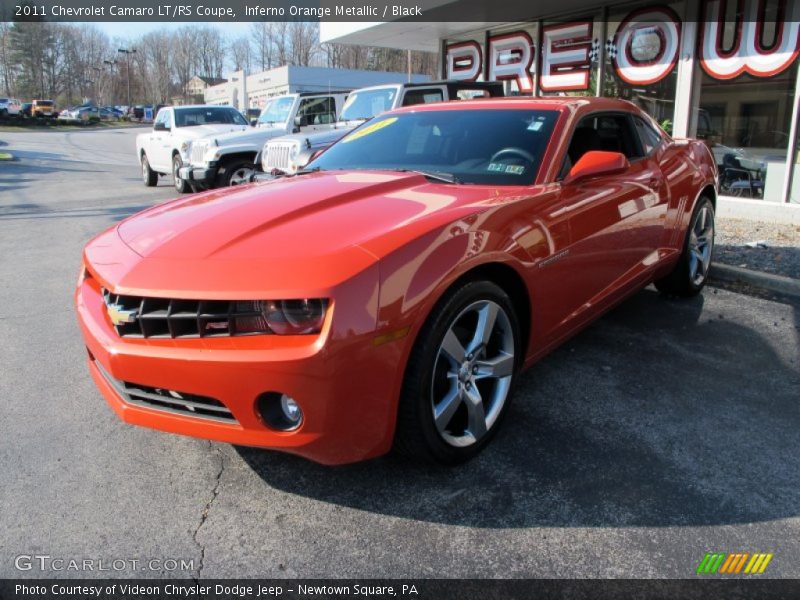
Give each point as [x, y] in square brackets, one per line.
[526, 102]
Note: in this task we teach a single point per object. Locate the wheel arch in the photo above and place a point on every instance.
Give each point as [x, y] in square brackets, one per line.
[511, 282]
[249, 155]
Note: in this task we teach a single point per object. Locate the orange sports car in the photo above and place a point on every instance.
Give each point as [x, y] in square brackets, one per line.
[389, 295]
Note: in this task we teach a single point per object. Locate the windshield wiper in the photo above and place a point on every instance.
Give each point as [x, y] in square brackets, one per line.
[435, 175]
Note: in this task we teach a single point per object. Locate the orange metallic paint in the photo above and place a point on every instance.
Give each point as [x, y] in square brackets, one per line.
[383, 247]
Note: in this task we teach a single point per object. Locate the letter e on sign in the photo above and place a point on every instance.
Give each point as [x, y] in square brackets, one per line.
[565, 56]
[511, 57]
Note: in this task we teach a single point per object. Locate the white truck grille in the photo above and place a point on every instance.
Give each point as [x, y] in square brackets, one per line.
[277, 156]
[199, 148]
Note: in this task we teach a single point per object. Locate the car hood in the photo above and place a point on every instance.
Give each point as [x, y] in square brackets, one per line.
[252, 135]
[296, 216]
[198, 131]
[325, 138]
[298, 233]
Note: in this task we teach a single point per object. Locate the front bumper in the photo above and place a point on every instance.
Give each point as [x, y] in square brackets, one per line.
[346, 386]
[203, 176]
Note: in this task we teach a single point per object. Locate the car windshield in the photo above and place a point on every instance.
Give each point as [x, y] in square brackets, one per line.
[367, 104]
[44, 103]
[276, 111]
[208, 115]
[481, 146]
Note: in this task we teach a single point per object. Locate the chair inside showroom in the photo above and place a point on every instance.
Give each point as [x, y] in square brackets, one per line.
[738, 181]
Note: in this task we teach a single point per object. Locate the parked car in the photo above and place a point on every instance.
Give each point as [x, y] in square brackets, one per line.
[81, 114]
[10, 107]
[25, 110]
[232, 159]
[107, 114]
[288, 153]
[389, 295]
[166, 147]
[44, 108]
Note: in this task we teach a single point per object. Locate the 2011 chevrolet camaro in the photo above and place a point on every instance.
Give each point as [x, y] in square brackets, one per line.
[390, 294]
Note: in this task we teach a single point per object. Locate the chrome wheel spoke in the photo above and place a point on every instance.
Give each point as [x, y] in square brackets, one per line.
[444, 411]
[476, 415]
[500, 366]
[453, 348]
[487, 316]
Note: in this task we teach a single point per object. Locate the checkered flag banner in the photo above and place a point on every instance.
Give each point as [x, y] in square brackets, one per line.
[594, 53]
[611, 48]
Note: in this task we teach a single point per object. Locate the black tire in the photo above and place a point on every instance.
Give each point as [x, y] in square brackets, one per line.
[685, 280]
[229, 173]
[181, 185]
[149, 177]
[417, 435]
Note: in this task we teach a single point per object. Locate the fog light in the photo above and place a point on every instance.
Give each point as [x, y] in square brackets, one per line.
[291, 410]
[279, 411]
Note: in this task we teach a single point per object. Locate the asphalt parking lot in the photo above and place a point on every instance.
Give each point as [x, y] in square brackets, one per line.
[666, 430]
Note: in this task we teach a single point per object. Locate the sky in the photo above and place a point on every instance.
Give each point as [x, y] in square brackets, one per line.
[134, 30]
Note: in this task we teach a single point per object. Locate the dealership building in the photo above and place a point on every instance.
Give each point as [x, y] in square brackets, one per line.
[244, 91]
[724, 71]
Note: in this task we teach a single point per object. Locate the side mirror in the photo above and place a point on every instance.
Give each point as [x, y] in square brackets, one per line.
[160, 126]
[596, 162]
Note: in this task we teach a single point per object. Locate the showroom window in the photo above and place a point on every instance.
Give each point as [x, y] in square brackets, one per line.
[746, 121]
[641, 57]
[746, 96]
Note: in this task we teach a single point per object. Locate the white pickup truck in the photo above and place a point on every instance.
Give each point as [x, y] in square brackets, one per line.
[231, 159]
[164, 149]
[287, 154]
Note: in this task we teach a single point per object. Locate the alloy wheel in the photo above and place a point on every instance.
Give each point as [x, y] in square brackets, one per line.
[241, 176]
[701, 245]
[472, 373]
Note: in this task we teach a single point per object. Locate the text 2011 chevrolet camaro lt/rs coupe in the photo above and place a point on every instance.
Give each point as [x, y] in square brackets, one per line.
[389, 295]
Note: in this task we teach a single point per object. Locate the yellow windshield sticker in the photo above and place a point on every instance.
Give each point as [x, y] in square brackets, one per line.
[369, 129]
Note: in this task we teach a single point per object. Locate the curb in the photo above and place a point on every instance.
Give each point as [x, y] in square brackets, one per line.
[767, 281]
[6, 156]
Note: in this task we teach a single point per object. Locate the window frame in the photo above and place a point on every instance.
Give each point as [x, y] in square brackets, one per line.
[563, 171]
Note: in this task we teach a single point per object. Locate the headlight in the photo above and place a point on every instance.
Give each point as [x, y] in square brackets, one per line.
[281, 317]
[294, 151]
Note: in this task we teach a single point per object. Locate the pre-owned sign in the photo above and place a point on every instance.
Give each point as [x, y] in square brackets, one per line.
[643, 50]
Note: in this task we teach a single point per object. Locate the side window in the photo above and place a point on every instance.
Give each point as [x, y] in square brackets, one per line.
[167, 119]
[606, 132]
[422, 96]
[648, 134]
[317, 111]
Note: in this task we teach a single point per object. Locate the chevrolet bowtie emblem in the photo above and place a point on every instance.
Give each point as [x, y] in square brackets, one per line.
[120, 315]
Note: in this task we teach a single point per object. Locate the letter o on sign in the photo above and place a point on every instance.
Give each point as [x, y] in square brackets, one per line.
[647, 44]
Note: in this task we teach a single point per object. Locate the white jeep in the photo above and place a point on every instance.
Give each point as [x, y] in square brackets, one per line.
[231, 159]
[165, 149]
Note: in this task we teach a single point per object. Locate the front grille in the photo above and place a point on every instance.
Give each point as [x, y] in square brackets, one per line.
[169, 318]
[277, 156]
[170, 401]
[199, 148]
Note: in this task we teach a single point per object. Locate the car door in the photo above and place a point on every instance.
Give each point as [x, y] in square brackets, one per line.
[162, 142]
[316, 114]
[616, 220]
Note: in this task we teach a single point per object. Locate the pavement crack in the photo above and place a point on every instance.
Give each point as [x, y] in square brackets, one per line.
[207, 509]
